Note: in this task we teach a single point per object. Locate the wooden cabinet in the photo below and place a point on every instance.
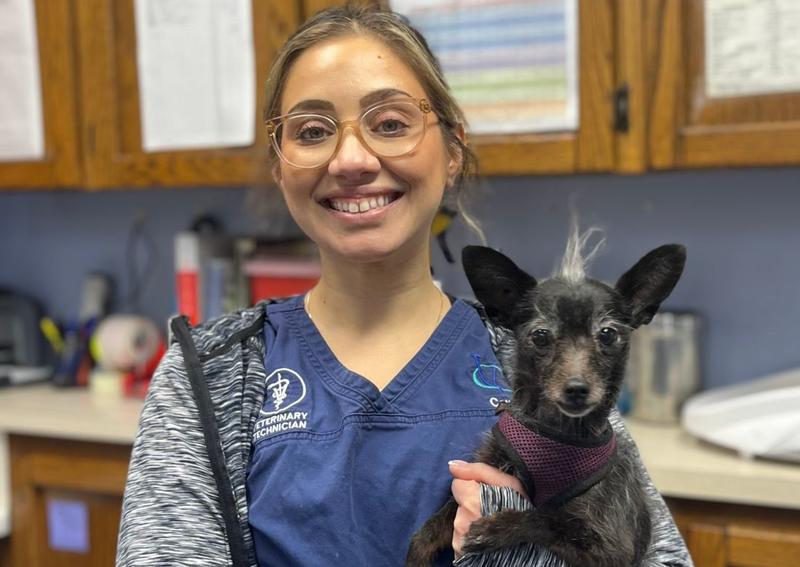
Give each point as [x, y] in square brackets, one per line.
[88, 69]
[727, 535]
[675, 123]
[592, 146]
[109, 102]
[61, 163]
[642, 102]
[90, 475]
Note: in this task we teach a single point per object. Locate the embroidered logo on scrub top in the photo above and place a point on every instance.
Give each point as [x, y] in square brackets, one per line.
[490, 377]
[283, 390]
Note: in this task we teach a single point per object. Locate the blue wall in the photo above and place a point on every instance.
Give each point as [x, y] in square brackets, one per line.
[740, 227]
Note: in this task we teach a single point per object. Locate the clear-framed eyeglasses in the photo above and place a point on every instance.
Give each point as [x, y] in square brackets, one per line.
[388, 129]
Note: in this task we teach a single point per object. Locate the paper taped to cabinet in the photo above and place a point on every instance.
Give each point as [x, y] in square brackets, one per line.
[196, 73]
[511, 64]
[752, 47]
[21, 121]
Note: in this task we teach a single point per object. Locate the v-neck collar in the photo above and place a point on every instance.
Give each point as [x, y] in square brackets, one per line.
[353, 384]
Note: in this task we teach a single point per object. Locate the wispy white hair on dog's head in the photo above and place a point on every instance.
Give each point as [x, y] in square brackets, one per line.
[573, 264]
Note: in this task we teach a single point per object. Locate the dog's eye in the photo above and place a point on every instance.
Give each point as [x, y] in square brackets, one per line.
[607, 336]
[541, 337]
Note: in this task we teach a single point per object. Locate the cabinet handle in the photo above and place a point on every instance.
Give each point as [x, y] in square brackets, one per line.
[621, 109]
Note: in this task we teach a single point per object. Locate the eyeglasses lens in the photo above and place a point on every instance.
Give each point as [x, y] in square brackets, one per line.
[389, 130]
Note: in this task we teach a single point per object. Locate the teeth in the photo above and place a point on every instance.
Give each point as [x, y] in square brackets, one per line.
[360, 205]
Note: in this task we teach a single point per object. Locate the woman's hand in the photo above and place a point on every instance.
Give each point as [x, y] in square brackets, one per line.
[467, 494]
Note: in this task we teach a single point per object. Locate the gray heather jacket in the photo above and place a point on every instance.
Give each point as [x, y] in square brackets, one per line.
[199, 415]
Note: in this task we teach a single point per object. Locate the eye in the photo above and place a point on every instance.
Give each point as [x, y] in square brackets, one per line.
[607, 336]
[391, 121]
[541, 338]
[390, 127]
[313, 132]
[308, 129]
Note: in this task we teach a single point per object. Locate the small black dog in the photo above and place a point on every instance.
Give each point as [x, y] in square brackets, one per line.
[566, 367]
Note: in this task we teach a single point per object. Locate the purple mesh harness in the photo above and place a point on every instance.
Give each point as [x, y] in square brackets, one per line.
[555, 468]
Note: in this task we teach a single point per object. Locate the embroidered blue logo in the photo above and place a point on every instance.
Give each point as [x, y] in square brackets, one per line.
[489, 376]
[284, 388]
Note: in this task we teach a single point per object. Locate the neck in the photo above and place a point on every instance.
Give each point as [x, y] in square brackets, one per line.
[361, 298]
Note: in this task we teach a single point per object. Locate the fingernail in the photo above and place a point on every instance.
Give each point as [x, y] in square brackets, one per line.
[456, 463]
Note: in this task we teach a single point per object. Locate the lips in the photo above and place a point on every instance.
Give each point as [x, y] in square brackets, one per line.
[360, 204]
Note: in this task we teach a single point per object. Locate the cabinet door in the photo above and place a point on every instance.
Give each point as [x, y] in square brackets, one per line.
[592, 146]
[732, 535]
[690, 128]
[60, 166]
[47, 473]
[110, 103]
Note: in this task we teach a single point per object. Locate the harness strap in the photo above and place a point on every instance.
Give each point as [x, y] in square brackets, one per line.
[554, 468]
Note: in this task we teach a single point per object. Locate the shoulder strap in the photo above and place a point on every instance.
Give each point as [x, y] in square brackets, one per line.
[233, 529]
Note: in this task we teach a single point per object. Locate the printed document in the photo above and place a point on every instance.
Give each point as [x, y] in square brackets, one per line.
[196, 73]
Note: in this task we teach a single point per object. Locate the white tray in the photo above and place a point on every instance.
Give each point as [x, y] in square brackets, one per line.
[759, 418]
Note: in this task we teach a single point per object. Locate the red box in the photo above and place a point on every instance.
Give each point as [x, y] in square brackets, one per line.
[280, 277]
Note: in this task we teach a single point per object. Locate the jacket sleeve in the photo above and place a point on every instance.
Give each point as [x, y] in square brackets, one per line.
[667, 548]
[170, 511]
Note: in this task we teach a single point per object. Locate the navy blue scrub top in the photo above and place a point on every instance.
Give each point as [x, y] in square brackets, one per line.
[343, 473]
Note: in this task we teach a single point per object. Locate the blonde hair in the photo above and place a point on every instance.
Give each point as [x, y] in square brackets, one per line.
[408, 44]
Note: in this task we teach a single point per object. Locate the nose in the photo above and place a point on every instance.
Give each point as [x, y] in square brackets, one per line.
[576, 391]
[353, 160]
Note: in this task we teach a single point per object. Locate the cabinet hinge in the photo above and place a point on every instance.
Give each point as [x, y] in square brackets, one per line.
[621, 109]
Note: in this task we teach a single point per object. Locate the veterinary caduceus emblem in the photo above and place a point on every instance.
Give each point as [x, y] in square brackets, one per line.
[283, 389]
[278, 390]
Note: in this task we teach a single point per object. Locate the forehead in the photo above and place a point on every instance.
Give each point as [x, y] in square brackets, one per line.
[344, 69]
[575, 304]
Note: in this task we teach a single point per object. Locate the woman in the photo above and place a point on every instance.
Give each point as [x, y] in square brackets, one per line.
[316, 430]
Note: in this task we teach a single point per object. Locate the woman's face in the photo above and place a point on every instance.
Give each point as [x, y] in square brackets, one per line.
[340, 78]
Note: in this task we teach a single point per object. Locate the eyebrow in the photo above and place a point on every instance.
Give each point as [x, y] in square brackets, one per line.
[365, 101]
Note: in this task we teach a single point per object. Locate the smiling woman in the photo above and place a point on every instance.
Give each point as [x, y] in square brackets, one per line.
[317, 429]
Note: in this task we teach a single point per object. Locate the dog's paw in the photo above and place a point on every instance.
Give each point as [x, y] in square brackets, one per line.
[483, 536]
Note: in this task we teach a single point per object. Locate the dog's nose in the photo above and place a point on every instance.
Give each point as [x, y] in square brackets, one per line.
[576, 391]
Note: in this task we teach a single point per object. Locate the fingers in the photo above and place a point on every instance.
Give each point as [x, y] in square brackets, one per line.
[467, 494]
[487, 474]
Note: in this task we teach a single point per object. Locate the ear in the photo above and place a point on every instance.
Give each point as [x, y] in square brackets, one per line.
[651, 280]
[275, 170]
[497, 282]
[456, 160]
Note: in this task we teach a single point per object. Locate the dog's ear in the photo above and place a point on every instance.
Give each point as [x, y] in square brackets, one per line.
[497, 282]
[651, 280]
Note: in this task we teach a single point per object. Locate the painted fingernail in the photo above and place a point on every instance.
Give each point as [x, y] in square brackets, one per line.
[456, 463]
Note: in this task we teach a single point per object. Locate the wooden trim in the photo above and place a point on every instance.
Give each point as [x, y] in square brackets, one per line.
[595, 138]
[724, 146]
[61, 164]
[521, 155]
[631, 154]
[664, 23]
[706, 543]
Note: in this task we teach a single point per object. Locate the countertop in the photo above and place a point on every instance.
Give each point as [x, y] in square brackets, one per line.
[45, 411]
[680, 465]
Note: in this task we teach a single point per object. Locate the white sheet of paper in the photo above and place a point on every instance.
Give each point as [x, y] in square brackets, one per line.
[21, 121]
[196, 73]
[752, 47]
[511, 64]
